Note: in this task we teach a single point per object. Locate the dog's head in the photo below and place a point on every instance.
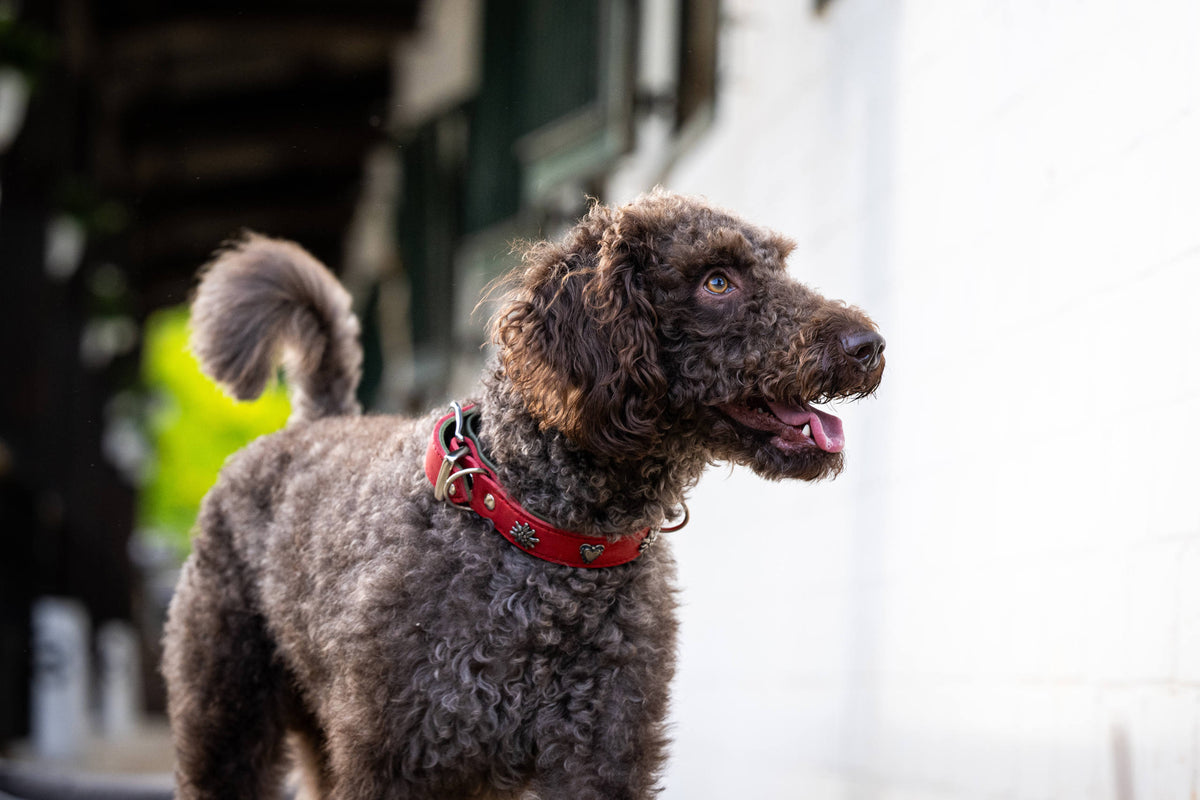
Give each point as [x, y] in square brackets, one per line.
[668, 325]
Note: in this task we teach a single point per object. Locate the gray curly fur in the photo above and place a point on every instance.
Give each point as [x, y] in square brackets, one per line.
[406, 649]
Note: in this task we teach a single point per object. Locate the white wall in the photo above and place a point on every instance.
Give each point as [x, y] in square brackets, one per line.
[1001, 597]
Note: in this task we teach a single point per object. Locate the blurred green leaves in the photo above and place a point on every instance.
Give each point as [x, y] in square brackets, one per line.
[192, 426]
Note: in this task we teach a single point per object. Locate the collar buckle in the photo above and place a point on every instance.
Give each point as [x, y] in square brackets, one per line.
[444, 486]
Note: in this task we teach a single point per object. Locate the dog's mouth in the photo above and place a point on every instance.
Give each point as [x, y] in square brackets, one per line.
[796, 426]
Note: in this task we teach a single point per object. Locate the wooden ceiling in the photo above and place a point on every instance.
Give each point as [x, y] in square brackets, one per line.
[205, 118]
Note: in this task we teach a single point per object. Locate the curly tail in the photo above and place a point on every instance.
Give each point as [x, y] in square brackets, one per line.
[262, 301]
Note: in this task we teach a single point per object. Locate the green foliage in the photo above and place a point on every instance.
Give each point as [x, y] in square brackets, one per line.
[193, 427]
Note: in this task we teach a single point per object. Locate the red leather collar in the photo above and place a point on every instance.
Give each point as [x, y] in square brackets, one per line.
[464, 478]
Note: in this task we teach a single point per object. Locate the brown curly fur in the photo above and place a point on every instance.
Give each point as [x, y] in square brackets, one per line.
[410, 651]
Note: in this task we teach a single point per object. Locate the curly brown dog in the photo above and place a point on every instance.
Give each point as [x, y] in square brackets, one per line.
[355, 583]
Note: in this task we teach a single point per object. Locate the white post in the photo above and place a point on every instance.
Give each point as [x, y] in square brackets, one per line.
[120, 678]
[61, 674]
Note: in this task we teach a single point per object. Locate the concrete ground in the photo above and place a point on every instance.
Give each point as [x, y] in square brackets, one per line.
[146, 751]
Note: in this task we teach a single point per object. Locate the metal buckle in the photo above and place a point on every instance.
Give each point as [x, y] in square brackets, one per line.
[445, 471]
[443, 487]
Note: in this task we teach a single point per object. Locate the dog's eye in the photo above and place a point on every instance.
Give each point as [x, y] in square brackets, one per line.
[717, 284]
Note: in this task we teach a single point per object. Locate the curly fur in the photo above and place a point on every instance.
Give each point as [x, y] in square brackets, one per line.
[406, 649]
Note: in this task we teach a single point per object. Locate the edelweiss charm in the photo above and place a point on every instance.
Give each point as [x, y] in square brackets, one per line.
[524, 535]
[650, 539]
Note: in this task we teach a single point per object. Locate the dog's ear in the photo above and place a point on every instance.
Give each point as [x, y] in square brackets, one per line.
[580, 343]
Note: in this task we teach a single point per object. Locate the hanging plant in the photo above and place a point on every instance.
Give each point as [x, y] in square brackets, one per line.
[25, 53]
[24, 48]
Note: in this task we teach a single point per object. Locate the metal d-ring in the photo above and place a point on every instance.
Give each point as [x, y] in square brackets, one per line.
[653, 534]
[455, 476]
[686, 517]
[443, 487]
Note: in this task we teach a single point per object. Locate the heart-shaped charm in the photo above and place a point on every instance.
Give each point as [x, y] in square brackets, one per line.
[590, 552]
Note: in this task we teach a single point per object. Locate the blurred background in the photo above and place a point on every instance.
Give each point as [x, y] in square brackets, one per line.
[1000, 598]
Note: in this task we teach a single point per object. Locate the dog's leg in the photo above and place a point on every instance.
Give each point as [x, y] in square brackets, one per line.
[309, 750]
[611, 744]
[227, 714]
[605, 778]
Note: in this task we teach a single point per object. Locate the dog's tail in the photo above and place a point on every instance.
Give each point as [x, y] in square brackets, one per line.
[262, 301]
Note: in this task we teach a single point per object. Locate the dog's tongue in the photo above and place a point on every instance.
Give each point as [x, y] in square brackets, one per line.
[826, 428]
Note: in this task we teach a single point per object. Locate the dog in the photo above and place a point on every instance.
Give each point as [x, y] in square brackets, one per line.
[477, 603]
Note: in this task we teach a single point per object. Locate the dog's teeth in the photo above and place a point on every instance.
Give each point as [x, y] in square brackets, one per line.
[807, 430]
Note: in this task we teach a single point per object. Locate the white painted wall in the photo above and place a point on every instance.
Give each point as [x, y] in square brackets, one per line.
[1001, 597]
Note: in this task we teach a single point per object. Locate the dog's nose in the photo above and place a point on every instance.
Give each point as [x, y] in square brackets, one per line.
[864, 348]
